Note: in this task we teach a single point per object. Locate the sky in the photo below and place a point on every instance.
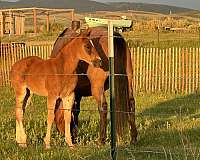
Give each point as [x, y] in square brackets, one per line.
[194, 4]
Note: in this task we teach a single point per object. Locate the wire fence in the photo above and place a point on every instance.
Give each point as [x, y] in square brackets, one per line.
[169, 70]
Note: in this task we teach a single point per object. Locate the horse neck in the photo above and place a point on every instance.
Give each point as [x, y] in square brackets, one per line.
[69, 56]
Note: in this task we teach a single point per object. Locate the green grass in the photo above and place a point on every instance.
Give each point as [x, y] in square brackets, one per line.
[168, 128]
[164, 40]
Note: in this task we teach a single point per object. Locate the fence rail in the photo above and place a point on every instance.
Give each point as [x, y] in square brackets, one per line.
[166, 70]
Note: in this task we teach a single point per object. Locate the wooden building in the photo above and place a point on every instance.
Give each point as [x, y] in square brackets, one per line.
[12, 21]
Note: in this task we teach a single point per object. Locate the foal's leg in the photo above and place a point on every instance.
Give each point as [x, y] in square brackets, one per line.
[20, 132]
[99, 95]
[67, 105]
[50, 118]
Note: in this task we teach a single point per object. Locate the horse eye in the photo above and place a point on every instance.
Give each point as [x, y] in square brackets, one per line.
[88, 48]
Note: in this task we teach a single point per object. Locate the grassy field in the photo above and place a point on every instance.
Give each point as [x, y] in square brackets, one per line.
[134, 39]
[168, 126]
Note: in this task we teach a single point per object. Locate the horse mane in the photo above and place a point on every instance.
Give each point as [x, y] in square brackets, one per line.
[64, 38]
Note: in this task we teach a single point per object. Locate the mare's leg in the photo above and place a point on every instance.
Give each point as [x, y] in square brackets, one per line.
[99, 95]
[67, 105]
[131, 114]
[74, 120]
[21, 99]
[50, 118]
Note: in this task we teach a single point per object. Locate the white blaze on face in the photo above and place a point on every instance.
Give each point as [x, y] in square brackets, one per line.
[91, 43]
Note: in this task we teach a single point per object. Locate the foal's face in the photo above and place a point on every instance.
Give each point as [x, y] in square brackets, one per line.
[91, 55]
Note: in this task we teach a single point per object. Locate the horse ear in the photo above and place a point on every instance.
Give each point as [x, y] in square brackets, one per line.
[86, 33]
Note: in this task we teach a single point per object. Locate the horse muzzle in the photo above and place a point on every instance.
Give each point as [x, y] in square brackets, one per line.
[97, 63]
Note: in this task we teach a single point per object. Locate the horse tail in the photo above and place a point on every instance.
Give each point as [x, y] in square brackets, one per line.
[121, 84]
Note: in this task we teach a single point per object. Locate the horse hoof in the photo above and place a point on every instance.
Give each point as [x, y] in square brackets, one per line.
[100, 142]
[133, 141]
[23, 145]
[71, 146]
[47, 146]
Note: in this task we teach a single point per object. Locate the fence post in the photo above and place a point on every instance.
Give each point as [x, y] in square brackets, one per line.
[112, 91]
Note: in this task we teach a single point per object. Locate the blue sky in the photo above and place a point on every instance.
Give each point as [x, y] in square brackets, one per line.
[195, 4]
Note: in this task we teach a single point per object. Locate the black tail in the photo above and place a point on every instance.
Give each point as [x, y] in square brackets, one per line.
[121, 84]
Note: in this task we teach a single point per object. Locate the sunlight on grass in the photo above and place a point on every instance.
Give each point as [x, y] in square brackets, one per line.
[168, 128]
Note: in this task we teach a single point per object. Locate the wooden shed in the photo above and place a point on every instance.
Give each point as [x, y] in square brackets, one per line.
[12, 21]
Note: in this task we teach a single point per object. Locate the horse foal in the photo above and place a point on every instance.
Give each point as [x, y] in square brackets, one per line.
[54, 78]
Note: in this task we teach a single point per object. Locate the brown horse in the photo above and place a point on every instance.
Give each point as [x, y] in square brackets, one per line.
[96, 82]
[54, 78]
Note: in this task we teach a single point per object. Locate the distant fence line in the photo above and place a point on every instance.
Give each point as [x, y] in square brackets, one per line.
[165, 70]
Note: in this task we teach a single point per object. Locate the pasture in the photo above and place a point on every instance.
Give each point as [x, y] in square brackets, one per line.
[168, 126]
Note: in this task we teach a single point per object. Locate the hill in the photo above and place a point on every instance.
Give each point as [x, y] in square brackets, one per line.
[92, 6]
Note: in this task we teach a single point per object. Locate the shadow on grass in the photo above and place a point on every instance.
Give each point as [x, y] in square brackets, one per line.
[171, 123]
[182, 105]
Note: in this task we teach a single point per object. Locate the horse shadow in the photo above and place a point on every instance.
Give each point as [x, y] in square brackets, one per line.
[173, 122]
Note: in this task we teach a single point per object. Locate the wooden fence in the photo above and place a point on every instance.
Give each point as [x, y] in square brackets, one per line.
[10, 53]
[165, 70]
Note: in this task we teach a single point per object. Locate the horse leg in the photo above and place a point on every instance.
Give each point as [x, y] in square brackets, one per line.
[102, 107]
[74, 120]
[19, 111]
[131, 115]
[50, 118]
[67, 105]
[103, 119]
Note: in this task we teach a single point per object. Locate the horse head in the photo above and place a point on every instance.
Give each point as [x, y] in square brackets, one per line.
[89, 54]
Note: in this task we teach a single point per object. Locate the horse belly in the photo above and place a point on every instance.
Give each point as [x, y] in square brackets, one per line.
[37, 86]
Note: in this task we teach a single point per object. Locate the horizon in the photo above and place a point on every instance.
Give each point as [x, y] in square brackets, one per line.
[192, 4]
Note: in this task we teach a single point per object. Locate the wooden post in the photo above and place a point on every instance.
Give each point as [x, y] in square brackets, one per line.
[22, 24]
[10, 23]
[72, 15]
[35, 20]
[47, 22]
[1, 24]
[183, 70]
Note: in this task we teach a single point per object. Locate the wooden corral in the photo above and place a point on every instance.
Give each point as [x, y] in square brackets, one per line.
[12, 21]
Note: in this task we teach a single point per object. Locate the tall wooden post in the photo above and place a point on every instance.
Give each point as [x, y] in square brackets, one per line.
[10, 23]
[72, 15]
[35, 20]
[112, 89]
[1, 24]
[47, 22]
[22, 24]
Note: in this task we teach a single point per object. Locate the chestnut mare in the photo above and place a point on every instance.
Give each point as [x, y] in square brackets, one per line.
[54, 78]
[96, 82]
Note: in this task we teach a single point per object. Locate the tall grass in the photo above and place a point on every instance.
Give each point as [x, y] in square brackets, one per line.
[168, 127]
